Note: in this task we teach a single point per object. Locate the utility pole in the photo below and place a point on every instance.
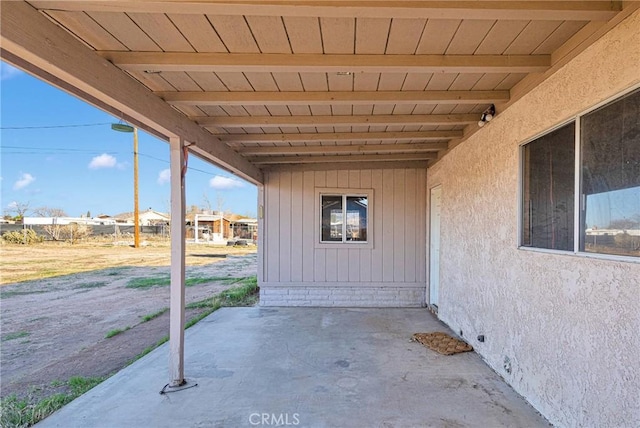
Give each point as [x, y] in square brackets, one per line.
[122, 127]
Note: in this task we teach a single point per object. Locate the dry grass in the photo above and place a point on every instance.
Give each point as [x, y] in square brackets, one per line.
[48, 259]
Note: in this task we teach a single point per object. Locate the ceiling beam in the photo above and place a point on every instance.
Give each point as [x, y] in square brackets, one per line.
[417, 164]
[325, 63]
[278, 121]
[344, 158]
[333, 98]
[35, 40]
[338, 136]
[511, 10]
[358, 148]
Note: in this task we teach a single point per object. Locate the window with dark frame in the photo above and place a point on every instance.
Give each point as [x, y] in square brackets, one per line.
[344, 218]
[609, 193]
[549, 163]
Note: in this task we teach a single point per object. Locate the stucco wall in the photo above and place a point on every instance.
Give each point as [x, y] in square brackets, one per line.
[569, 324]
[299, 272]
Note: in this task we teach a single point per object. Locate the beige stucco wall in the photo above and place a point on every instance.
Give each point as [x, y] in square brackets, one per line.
[569, 324]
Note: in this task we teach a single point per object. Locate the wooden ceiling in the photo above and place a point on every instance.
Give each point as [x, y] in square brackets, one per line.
[322, 83]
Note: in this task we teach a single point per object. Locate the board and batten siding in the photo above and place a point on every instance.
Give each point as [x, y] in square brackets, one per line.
[298, 273]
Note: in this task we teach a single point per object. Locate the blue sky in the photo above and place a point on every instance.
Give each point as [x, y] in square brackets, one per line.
[65, 155]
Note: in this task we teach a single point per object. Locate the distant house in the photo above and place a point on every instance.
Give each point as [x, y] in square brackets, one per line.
[245, 228]
[45, 221]
[146, 218]
[209, 226]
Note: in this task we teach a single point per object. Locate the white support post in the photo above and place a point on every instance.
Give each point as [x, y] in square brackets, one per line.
[177, 315]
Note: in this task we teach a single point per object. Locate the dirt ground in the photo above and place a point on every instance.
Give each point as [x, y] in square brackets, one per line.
[54, 328]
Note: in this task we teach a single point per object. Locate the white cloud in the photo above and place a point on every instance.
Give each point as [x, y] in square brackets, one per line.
[225, 183]
[7, 71]
[24, 181]
[103, 161]
[164, 176]
[12, 205]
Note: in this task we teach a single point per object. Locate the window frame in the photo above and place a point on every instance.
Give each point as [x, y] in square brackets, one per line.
[577, 200]
[344, 193]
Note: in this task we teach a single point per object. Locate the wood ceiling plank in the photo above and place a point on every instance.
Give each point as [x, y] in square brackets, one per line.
[125, 31]
[510, 81]
[391, 81]
[207, 81]
[198, 31]
[500, 37]
[531, 37]
[437, 35]
[338, 35]
[339, 82]
[234, 33]
[261, 81]
[264, 160]
[235, 110]
[348, 136]
[366, 81]
[489, 81]
[424, 109]
[83, 26]
[304, 34]
[214, 111]
[386, 109]
[162, 31]
[278, 111]
[235, 81]
[154, 82]
[189, 110]
[299, 110]
[269, 33]
[319, 109]
[403, 109]
[341, 110]
[288, 81]
[441, 82]
[538, 10]
[314, 82]
[361, 113]
[181, 81]
[355, 148]
[469, 36]
[260, 111]
[465, 81]
[561, 34]
[371, 35]
[416, 81]
[405, 35]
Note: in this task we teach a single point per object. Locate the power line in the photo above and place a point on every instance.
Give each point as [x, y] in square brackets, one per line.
[55, 126]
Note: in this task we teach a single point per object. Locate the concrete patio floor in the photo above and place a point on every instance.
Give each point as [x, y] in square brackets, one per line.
[307, 367]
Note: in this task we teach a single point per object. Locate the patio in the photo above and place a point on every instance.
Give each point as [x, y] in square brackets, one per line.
[311, 367]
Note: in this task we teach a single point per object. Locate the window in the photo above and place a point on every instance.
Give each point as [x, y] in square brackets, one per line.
[549, 164]
[344, 217]
[607, 209]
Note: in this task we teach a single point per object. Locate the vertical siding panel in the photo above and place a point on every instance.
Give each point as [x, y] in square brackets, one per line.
[399, 219]
[354, 253]
[320, 264]
[410, 230]
[285, 227]
[365, 255]
[421, 243]
[296, 226]
[332, 179]
[377, 253]
[309, 224]
[387, 225]
[272, 217]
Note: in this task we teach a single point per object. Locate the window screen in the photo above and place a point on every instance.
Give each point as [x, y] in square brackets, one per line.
[548, 190]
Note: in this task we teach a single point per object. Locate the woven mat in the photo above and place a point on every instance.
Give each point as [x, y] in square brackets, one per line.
[442, 343]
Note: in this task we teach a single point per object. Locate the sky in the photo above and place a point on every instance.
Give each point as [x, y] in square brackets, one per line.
[57, 151]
